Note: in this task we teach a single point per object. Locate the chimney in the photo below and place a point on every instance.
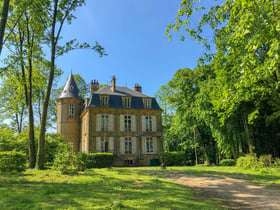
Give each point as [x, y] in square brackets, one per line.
[113, 83]
[138, 88]
[94, 86]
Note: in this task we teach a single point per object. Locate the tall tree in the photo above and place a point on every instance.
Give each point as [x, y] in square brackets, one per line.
[5, 10]
[60, 11]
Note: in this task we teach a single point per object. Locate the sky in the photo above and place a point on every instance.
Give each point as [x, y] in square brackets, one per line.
[133, 35]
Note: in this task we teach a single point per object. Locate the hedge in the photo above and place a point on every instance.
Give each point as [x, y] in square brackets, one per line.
[227, 162]
[173, 158]
[94, 160]
[12, 161]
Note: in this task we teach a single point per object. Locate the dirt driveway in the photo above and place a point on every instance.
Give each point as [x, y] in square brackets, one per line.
[232, 193]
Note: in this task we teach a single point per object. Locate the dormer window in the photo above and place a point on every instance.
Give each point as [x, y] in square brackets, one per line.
[127, 102]
[105, 101]
[148, 103]
[71, 87]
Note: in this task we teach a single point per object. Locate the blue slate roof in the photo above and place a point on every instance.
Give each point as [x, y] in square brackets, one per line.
[70, 89]
[115, 98]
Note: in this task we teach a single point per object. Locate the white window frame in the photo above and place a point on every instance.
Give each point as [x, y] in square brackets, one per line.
[127, 145]
[148, 103]
[104, 122]
[127, 122]
[105, 101]
[103, 144]
[149, 123]
[127, 102]
[71, 110]
[149, 145]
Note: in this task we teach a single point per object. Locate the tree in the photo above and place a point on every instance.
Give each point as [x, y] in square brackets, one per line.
[4, 18]
[60, 11]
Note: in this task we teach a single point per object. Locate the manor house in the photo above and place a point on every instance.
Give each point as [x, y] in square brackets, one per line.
[114, 119]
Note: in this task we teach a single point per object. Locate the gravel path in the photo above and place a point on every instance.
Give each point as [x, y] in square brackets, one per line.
[233, 193]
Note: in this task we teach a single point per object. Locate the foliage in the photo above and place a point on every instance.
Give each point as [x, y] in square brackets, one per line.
[99, 160]
[266, 160]
[65, 161]
[81, 161]
[276, 163]
[12, 161]
[173, 158]
[249, 161]
[227, 162]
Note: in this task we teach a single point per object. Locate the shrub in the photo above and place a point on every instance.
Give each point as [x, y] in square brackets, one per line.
[12, 161]
[250, 161]
[227, 162]
[266, 160]
[99, 160]
[81, 161]
[65, 161]
[173, 158]
[276, 163]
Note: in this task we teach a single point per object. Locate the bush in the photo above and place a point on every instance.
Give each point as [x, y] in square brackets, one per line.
[250, 161]
[12, 161]
[266, 160]
[99, 160]
[173, 158]
[65, 161]
[81, 161]
[276, 163]
[227, 162]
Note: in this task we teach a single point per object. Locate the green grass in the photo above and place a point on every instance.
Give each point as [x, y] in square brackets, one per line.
[115, 188]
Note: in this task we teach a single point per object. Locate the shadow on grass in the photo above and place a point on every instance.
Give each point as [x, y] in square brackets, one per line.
[96, 189]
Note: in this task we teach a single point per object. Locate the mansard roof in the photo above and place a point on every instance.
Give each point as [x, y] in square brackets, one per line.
[115, 98]
[70, 89]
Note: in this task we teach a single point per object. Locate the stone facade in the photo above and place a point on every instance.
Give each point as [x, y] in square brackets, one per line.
[114, 119]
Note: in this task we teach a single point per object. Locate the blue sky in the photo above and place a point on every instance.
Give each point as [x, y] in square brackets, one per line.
[132, 33]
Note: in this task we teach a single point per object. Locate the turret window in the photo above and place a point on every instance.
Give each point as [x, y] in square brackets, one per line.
[71, 110]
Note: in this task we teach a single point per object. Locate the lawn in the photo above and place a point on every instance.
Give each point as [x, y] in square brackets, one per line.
[115, 188]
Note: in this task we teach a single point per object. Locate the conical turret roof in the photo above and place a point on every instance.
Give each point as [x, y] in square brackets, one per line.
[70, 89]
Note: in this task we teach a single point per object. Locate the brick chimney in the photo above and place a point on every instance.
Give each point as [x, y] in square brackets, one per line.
[113, 84]
[94, 86]
[138, 88]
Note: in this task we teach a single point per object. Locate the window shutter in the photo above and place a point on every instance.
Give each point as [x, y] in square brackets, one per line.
[143, 123]
[111, 122]
[144, 146]
[98, 122]
[133, 139]
[154, 123]
[98, 144]
[111, 144]
[122, 145]
[155, 145]
[133, 123]
[121, 122]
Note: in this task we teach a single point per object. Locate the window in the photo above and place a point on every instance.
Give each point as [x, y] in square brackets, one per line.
[127, 102]
[128, 145]
[104, 145]
[148, 123]
[127, 123]
[150, 145]
[85, 125]
[104, 122]
[71, 110]
[148, 104]
[104, 101]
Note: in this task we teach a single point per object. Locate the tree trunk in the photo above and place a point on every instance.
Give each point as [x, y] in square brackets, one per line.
[41, 145]
[4, 18]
